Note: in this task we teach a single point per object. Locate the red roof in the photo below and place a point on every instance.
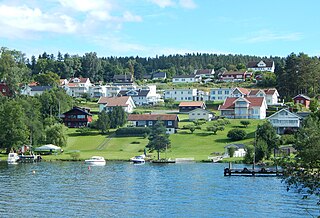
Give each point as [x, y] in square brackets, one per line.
[134, 117]
[230, 102]
[243, 90]
[114, 101]
[81, 79]
[191, 104]
[270, 91]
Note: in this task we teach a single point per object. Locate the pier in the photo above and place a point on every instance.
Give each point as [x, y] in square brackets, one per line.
[253, 172]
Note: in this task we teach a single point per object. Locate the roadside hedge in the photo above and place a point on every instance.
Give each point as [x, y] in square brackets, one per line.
[133, 131]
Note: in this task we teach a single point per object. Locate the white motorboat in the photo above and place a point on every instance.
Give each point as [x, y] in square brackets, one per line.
[13, 158]
[138, 159]
[96, 160]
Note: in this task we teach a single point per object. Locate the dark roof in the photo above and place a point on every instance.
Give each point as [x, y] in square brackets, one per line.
[235, 145]
[184, 76]
[204, 71]
[139, 92]
[147, 76]
[122, 77]
[302, 96]
[159, 75]
[254, 64]
[78, 109]
[134, 117]
[40, 88]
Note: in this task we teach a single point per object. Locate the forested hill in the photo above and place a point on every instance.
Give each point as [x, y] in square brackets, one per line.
[294, 74]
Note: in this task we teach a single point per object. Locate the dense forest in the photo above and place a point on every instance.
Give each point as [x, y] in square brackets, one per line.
[294, 74]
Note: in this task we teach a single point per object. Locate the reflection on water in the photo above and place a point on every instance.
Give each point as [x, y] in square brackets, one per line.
[68, 189]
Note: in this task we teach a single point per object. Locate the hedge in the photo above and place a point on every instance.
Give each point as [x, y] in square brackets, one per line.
[133, 131]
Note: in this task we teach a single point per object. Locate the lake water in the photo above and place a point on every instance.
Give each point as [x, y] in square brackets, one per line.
[121, 189]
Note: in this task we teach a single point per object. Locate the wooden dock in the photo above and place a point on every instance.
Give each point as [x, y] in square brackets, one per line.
[253, 172]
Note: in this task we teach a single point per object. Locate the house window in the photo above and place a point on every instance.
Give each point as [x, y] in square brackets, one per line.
[193, 113]
[213, 92]
[181, 92]
[183, 79]
[150, 123]
[219, 92]
[81, 116]
[181, 98]
[226, 92]
[204, 113]
[169, 123]
[186, 98]
[189, 98]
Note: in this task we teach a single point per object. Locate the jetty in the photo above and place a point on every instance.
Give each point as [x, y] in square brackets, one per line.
[263, 171]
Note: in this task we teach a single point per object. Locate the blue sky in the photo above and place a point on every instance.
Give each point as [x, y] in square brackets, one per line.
[156, 27]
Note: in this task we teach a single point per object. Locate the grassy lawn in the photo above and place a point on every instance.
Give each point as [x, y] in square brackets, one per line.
[198, 145]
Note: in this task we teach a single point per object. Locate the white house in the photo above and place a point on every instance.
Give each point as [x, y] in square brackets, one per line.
[261, 66]
[200, 113]
[220, 94]
[208, 73]
[181, 94]
[97, 91]
[235, 76]
[239, 150]
[34, 90]
[192, 78]
[284, 119]
[239, 92]
[76, 87]
[271, 95]
[108, 103]
[244, 107]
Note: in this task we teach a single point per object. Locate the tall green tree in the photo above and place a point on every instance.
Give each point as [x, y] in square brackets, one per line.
[103, 122]
[14, 131]
[48, 79]
[265, 132]
[158, 139]
[56, 134]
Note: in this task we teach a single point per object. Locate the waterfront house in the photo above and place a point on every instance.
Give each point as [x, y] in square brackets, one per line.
[185, 107]
[244, 108]
[77, 117]
[302, 99]
[201, 114]
[170, 121]
[284, 120]
[239, 150]
[108, 103]
[261, 66]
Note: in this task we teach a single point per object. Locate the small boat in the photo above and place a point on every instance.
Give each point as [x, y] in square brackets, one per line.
[96, 161]
[138, 159]
[13, 158]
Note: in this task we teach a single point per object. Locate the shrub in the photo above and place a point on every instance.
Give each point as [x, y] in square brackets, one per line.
[83, 131]
[199, 122]
[245, 123]
[133, 131]
[236, 134]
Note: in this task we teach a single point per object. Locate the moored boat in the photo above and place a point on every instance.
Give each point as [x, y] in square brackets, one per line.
[13, 158]
[138, 159]
[96, 161]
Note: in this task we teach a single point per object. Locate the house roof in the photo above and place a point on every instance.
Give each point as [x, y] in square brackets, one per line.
[81, 110]
[254, 64]
[270, 91]
[81, 79]
[134, 117]
[233, 73]
[159, 75]
[254, 92]
[204, 71]
[114, 101]
[229, 103]
[147, 76]
[302, 96]
[243, 91]
[191, 104]
[235, 145]
[122, 77]
[284, 109]
[139, 92]
[40, 88]
[184, 76]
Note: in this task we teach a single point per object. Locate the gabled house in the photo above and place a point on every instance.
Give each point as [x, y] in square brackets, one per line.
[302, 99]
[140, 97]
[123, 78]
[244, 108]
[159, 76]
[97, 91]
[77, 87]
[192, 78]
[170, 121]
[108, 103]
[4, 89]
[261, 66]
[235, 76]
[208, 73]
[185, 107]
[283, 120]
[77, 117]
[239, 150]
[240, 92]
[272, 96]
[200, 114]
[34, 90]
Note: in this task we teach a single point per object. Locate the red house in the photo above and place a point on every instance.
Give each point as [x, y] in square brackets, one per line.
[4, 90]
[302, 99]
[77, 117]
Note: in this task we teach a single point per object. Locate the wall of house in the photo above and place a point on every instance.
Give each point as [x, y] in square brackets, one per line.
[200, 115]
[181, 94]
[220, 94]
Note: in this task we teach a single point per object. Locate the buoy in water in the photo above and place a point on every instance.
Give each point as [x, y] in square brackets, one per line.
[89, 168]
[33, 172]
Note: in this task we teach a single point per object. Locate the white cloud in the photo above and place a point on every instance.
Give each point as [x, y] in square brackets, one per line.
[189, 4]
[163, 3]
[22, 19]
[129, 17]
[87, 5]
[267, 36]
